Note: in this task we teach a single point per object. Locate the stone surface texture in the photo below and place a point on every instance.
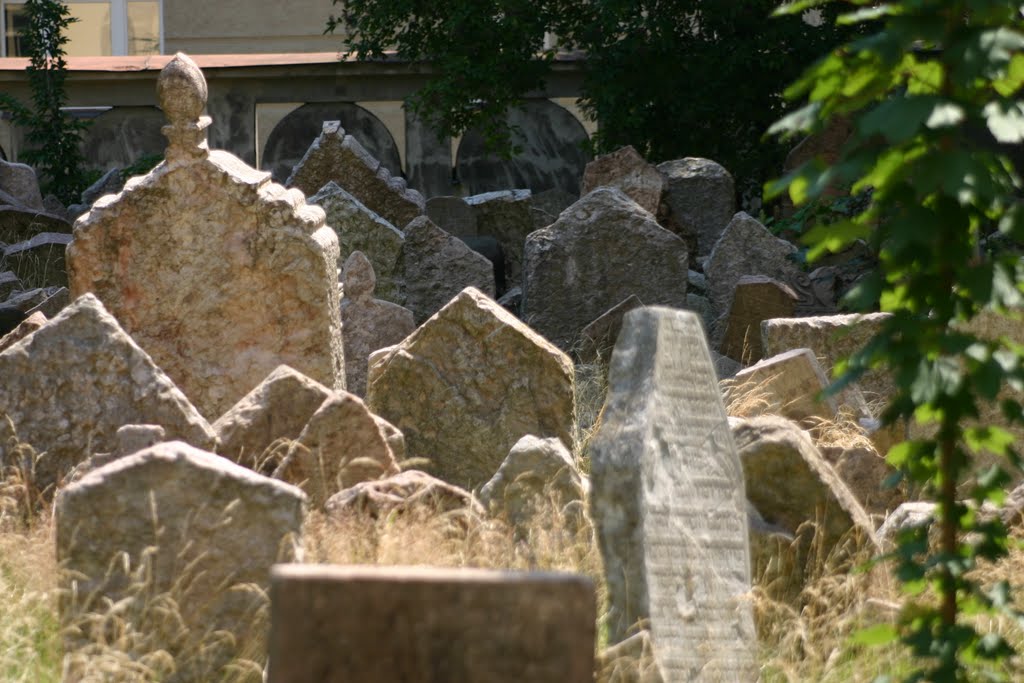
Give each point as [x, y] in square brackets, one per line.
[468, 384]
[336, 156]
[789, 384]
[702, 197]
[507, 217]
[668, 504]
[19, 182]
[369, 323]
[746, 248]
[360, 229]
[626, 170]
[18, 223]
[756, 298]
[437, 266]
[198, 527]
[277, 408]
[430, 625]
[598, 338]
[70, 385]
[600, 251]
[220, 274]
[25, 328]
[790, 483]
[864, 471]
[453, 215]
[410, 492]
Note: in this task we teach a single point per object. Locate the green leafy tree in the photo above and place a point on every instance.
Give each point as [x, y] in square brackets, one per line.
[54, 136]
[673, 78]
[934, 93]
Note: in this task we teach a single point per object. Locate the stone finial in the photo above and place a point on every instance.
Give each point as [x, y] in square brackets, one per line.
[360, 279]
[181, 90]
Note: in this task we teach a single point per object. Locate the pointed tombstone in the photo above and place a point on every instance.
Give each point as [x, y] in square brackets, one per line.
[430, 625]
[601, 250]
[335, 156]
[755, 299]
[437, 266]
[189, 526]
[342, 444]
[277, 408]
[220, 274]
[70, 385]
[468, 384]
[369, 323]
[629, 172]
[702, 197]
[668, 503]
[360, 229]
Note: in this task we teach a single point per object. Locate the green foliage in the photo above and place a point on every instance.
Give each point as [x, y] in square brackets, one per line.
[934, 92]
[673, 78]
[54, 136]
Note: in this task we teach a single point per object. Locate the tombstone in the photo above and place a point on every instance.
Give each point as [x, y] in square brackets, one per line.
[755, 299]
[746, 248]
[506, 217]
[26, 327]
[19, 182]
[598, 338]
[437, 266]
[468, 384]
[38, 261]
[790, 483]
[702, 198]
[410, 492]
[336, 156]
[547, 206]
[429, 625]
[600, 251]
[789, 384]
[190, 527]
[72, 383]
[668, 503]
[220, 274]
[830, 338]
[360, 229]
[276, 409]
[626, 170]
[453, 215]
[341, 445]
[369, 323]
[18, 224]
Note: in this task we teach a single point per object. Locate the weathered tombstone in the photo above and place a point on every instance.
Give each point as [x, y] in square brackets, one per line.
[360, 229]
[668, 503]
[20, 183]
[864, 472]
[626, 170]
[336, 156]
[497, 380]
[437, 266]
[429, 625]
[408, 492]
[755, 299]
[453, 215]
[277, 408]
[72, 383]
[747, 248]
[506, 217]
[26, 327]
[789, 384]
[38, 261]
[600, 251]
[702, 197]
[830, 337]
[174, 535]
[369, 323]
[548, 205]
[18, 224]
[220, 274]
[598, 338]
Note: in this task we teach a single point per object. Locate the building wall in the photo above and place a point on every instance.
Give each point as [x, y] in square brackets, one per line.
[248, 26]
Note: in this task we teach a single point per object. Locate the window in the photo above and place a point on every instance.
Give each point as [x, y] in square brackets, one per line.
[104, 27]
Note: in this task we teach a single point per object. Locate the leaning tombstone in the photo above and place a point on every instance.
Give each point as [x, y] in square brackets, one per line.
[668, 503]
[72, 383]
[791, 384]
[369, 323]
[755, 299]
[629, 172]
[469, 383]
[219, 273]
[702, 197]
[428, 625]
[336, 156]
[182, 541]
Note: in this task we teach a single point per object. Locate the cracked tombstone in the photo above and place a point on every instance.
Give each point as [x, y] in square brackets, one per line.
[668, 504]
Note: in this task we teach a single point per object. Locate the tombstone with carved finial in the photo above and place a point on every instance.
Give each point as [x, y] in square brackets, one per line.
[219, 273]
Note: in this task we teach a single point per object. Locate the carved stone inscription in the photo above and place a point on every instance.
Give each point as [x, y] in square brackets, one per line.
[669, 504]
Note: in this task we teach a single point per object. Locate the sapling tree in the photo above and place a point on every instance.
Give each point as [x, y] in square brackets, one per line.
[934, 93]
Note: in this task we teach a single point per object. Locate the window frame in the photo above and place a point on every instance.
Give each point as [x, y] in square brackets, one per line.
[118, 25]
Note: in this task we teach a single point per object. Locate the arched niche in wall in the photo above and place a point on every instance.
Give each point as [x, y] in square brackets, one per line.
[293, 135]
[121, 136]
[553, 155]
